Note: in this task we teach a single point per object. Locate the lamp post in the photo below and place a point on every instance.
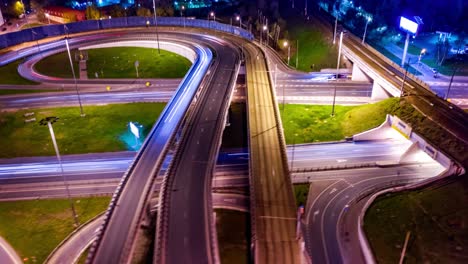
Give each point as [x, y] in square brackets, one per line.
[73, 73]
[336, 79]
[334, 32]
[404, 78]
[368, 19]
[286, 44]
[48, 17]
[182, 13]
[294, 146]
[265, 28]
[238, 18]
[450, 84]
[297, 53]
[156, 25]
[48, 121]
[423, 51]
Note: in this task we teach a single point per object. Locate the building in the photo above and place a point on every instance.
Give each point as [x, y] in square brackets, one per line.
[64, 14]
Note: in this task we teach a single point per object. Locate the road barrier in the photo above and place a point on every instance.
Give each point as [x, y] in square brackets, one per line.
[38, 33]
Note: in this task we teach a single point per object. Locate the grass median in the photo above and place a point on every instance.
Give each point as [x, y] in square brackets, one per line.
[103, 129]
[314, 123]
[118, 62]
[436, 218]
[34, 228]
[9, 74]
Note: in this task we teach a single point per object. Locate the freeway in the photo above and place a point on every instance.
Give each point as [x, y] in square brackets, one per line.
[185, 212]
[334, 192]
[272, 201]
[117, 237]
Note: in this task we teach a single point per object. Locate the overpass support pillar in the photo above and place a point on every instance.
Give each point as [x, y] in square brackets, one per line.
[358, 74]
[378, 92]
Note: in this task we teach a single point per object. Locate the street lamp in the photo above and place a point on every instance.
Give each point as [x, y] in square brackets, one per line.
[73, 73]
[48, 121]
[238, 18]
[266, 35]
[404, 78]
[365, 29]
[48, 17]
[182, 9]
[450, 84]
[212, 14]
[336, 78]
[156, 25]
[286, 44]
[423, 51]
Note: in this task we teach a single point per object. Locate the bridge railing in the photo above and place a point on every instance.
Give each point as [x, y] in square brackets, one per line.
[38, 33]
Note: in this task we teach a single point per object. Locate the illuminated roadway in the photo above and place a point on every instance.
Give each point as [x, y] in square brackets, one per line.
[185, 213]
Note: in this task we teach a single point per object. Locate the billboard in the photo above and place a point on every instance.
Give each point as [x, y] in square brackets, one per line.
[134, 129]
[408, 25]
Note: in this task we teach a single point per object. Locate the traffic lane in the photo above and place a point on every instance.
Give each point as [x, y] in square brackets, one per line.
[231, 201]
[192, 173]
[70, 251]
[55, 100]
[7, 253]
[320, 155]
[58, 190]
[349, 185]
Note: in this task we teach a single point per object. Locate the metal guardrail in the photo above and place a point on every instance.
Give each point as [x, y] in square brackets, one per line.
[38, 33]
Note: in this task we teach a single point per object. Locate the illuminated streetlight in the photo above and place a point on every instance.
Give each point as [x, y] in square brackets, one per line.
[423, 51]
[182, 9]
[48, 121]
[238, 18]
[365, 29]
[73, 73]
[48, 17]
[337, 69]
[286, 44]
[156, 25]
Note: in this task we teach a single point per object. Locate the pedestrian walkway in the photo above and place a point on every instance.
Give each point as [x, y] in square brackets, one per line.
[427, 75]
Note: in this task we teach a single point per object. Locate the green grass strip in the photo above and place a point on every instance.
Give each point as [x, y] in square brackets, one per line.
[436, 218]
[9, 74]
[118, 62]
[34, 228]
[314, 123]
[104, 128]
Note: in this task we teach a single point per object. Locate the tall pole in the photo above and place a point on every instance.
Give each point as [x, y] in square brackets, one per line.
[289, 53]
[336, 79]
[74, 77]
[405, 50]
[365, 31]
[403, 252]
[156, 25]
[305, 8]
[334, 32]
[297, 54]
[404, 79]
[450, 84]
[294, 146]
[49, 121]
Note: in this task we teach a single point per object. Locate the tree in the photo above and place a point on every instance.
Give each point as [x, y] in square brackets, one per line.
[143, 12]
[117, 11]
[92, 12]
[165, 11]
